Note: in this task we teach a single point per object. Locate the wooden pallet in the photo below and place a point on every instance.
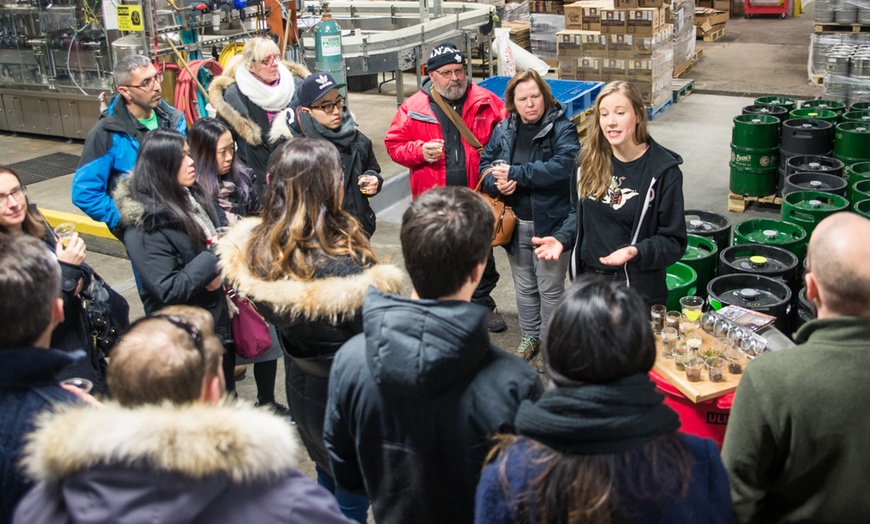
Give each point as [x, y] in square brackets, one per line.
[584, 123]
[713, 36]
[682, 88]
[655, 112]
[739, 203]
[842, 28]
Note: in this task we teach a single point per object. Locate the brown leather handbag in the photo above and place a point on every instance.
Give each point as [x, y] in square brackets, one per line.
[505, 220]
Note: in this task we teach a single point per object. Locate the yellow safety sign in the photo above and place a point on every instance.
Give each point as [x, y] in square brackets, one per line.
[130, 18]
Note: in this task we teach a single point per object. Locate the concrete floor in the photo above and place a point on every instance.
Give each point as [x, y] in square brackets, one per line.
[762, 55]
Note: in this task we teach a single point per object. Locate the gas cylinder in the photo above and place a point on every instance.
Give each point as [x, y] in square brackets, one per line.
[327, 48]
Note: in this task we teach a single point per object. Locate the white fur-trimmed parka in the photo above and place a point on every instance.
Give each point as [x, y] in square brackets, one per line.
[170, 464]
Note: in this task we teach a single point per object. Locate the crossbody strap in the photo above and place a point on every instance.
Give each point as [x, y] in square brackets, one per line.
[457, 121]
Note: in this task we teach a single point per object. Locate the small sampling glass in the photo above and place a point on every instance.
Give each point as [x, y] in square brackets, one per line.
[657, 317]
[670, 341]
[693, 369]
[716, 369]
[736, 361]
[672, 319]
[694, 340]
[64, 232]
[691, 307]
[80, 383]
[681, 356]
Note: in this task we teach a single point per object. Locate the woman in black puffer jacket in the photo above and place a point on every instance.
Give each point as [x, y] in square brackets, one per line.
[169, 224]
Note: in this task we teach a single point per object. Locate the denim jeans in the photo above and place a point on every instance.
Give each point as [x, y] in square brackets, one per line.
[354, 507]
[539, 283]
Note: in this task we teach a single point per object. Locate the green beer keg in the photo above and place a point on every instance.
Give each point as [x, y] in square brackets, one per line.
[701, 255]
[682, 282]
[754, 154]
[808, 208]
[786, 235]
[814, 113]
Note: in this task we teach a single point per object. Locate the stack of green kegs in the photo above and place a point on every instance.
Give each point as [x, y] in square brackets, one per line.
[754, 152]
[831, 105]
[852, 142]
[778, 233]
[700, 255]
[808, 208]
[815, 113]
[803, 137]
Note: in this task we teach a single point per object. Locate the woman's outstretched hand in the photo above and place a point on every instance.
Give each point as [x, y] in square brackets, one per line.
[548, 248]
[620, 256]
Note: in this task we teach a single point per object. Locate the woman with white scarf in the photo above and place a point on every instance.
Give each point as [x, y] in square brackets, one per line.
[255, 86]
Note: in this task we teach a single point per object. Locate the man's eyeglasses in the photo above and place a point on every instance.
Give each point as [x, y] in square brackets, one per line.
[18, 193]
[330, 107]
[180, 323]
[269, 59]
[148, 83]
[458, 73]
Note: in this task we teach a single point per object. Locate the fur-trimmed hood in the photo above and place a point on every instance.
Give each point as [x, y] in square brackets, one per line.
[246, 444]
[332, 299]
[132, 210]
[246, 128]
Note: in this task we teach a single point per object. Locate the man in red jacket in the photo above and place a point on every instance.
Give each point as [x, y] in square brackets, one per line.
[423, 139]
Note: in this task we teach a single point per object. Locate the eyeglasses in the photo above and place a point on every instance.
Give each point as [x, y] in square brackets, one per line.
[330, 107]
[458, 73]
[180, 323]
[18, 193]
[269, 59]
[148, 83]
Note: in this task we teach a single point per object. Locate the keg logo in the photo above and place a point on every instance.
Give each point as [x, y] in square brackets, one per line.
[764, 161]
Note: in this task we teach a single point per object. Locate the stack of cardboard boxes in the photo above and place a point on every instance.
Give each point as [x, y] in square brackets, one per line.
[632, 40]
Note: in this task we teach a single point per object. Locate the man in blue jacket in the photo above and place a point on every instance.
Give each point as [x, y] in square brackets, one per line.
[31, 307]
[113, 144]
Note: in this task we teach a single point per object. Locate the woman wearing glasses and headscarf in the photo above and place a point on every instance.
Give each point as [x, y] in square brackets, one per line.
[254, 87]
[321, 113]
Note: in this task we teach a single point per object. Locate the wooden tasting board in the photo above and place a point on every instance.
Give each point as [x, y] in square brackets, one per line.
[694, 391]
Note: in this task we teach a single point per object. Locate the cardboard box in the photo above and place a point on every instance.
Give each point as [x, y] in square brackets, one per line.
[653, 3]
[613, 67]
[585, 14]
[625, 4]
[722, 5]
[550, 7]
[593, 43]
[612, 21]
[567, 69]
[711, 16]
[573, 15]
[620, 46]
[643, 22]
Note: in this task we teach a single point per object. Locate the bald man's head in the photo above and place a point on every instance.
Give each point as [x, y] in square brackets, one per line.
[839, 262]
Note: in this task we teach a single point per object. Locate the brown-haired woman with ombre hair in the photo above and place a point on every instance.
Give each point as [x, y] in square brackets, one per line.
[630, 216]
[307, 264]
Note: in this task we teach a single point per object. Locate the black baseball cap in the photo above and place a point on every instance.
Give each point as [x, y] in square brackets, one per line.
[315, 86]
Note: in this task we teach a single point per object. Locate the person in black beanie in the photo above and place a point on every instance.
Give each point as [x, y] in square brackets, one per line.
[600, 446]
[423, 139]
